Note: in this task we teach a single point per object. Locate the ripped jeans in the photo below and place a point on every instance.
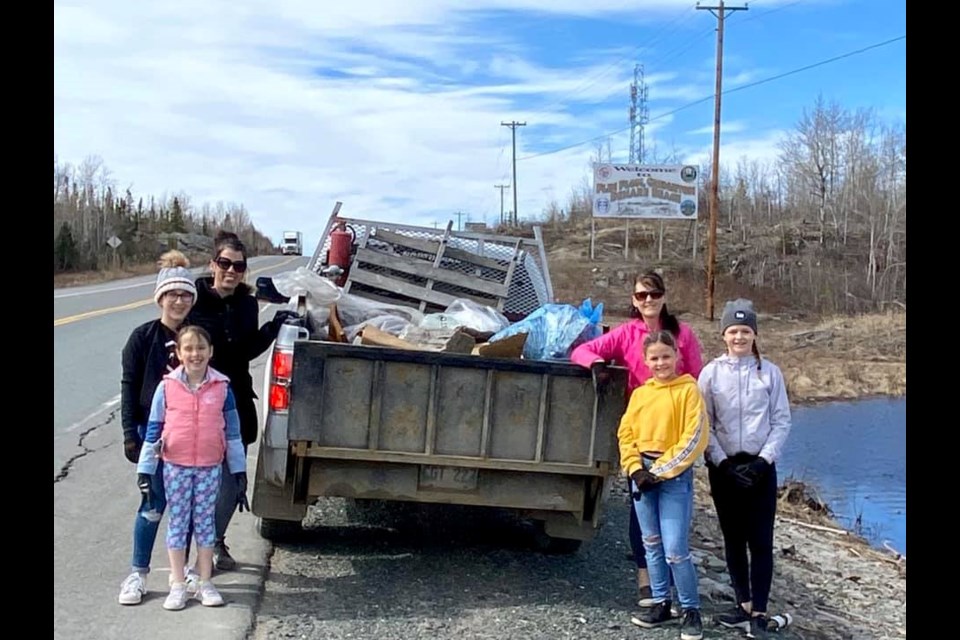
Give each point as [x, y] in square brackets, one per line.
[665, 512]
[147, 524]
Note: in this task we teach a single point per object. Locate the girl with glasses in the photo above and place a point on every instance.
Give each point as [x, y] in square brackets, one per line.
[624, 346]
[149, 354]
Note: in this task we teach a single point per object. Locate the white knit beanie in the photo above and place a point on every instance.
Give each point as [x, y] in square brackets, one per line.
[174, 279]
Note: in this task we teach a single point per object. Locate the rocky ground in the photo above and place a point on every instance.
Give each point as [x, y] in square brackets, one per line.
[452, 573]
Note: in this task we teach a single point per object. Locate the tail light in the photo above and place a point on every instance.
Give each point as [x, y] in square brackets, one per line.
[280, 372]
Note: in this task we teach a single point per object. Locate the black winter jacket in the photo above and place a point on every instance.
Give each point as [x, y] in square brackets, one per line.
[233, 325]
[144, 363]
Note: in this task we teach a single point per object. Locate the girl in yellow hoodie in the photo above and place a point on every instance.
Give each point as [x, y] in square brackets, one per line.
[663, 432]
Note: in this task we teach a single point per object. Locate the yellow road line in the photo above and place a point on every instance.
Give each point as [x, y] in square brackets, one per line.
[140, 303]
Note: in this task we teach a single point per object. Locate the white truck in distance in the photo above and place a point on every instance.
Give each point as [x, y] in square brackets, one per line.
[292, 244]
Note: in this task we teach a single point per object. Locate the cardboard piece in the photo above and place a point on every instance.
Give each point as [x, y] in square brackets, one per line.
[511, 347]
[420, 340]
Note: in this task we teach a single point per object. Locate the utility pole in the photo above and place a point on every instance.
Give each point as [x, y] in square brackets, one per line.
[501, 187]
[459, 226]
[513, 128]
[715, 178]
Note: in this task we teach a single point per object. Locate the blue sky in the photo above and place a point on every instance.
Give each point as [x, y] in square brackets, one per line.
[395, 107]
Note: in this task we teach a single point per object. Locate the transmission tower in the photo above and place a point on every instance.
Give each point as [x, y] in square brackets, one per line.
[639, 115]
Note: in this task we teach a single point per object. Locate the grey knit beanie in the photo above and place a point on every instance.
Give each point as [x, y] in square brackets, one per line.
[174, 279]
[739, 311]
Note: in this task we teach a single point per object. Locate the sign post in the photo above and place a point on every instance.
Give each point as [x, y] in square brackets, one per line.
[114, 242]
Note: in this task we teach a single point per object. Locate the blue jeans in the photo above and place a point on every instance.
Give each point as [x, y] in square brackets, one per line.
[147, 524]
[665, 512]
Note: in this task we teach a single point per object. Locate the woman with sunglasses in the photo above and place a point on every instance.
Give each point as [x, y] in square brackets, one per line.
[230, 313]
[624, 345]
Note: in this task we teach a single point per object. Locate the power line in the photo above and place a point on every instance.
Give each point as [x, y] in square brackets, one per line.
[725, 92]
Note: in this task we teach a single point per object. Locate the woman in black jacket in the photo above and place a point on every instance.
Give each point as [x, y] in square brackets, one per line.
[149, 354]
[229, 312]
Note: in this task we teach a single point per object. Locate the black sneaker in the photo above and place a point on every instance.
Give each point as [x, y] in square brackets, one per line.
[736, 618]
[654, 616]
[692, 626]
[222, 559]
[758, 628]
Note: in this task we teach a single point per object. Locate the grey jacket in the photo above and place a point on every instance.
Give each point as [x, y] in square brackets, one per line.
[748, 409]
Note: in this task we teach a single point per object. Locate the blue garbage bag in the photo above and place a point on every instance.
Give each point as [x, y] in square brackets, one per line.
[554, 330]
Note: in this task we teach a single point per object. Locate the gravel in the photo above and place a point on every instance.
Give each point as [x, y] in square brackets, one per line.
[394, 571]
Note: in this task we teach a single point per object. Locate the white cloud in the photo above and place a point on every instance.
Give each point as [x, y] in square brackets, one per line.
[287, 108]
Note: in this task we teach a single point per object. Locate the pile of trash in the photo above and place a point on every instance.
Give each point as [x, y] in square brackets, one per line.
[549, 333]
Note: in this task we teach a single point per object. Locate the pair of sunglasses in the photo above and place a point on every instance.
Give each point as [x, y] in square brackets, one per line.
[640, 296]
[239, 266]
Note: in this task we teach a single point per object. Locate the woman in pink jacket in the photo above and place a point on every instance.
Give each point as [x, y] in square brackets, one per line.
[624, 346]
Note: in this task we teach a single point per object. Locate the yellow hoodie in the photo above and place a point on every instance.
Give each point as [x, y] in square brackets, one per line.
[664, 416]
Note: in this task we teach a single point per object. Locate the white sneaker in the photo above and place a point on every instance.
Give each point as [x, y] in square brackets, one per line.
[193, 580]
[208, 595]
[133, 589]
[177, 599]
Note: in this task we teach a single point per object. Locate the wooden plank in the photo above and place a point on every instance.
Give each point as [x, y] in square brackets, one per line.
[423, 269]
[411, 290]
[431, 247]
[437, 260]
[509, 277]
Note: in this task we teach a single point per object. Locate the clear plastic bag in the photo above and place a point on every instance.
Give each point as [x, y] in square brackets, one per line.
[554, 330]
[355, 312]
[319, 291]
[479, 317]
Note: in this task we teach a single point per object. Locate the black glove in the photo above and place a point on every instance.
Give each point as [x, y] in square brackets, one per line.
[642, 479]
[757, 469]
[601, 375]
[131, 449]
[740, 475]
[143, 483]
[242, 504]
[280, 318]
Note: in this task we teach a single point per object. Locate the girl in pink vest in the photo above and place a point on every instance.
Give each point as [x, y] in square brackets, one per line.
[193, 427]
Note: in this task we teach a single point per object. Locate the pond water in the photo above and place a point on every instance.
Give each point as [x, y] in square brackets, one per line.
[854, 454]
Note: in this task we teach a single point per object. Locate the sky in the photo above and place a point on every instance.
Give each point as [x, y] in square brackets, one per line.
[395, 107]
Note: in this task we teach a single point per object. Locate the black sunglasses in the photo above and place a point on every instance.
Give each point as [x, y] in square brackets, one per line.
[239, 266]
[640, 296]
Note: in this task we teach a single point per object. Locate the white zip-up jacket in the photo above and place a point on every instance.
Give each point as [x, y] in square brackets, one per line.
[748, 408]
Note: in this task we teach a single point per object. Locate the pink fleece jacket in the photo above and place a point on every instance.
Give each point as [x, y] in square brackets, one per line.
[624, 345]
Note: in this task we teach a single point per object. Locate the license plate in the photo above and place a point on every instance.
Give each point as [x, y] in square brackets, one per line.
[453, 478]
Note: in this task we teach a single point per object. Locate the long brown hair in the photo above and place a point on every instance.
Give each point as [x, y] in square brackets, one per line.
[654, 281]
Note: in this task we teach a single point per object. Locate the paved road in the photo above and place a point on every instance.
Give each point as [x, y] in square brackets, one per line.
[94, 491]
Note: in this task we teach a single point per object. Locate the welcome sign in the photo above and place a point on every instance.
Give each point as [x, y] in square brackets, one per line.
[646, 191]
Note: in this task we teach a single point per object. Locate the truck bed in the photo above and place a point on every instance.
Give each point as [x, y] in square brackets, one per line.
[373, 403]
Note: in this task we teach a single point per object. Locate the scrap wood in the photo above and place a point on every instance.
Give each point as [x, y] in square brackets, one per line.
[816, 527]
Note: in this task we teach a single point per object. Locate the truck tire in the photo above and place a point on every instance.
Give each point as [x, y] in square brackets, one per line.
[278, 530]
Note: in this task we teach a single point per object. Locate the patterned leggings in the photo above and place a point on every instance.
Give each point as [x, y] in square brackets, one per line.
[191, 499]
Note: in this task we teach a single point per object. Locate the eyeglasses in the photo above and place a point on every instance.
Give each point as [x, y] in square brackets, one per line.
[181, 295]
[239, 266]
[640, 296]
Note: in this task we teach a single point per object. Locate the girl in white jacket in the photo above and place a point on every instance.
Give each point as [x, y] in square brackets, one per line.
[746, 400]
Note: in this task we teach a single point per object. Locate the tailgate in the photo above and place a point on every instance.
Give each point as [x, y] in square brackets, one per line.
[369, 403]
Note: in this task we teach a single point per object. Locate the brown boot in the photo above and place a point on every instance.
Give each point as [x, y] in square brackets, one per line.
[643, 589]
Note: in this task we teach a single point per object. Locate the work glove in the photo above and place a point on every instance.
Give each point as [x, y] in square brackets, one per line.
[280, 318]
[131, 449]
[242, 504]
[756, 469]
[642, 480]
[143, 483]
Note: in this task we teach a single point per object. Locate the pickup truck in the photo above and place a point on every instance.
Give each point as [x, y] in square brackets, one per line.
[375, 423]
